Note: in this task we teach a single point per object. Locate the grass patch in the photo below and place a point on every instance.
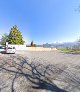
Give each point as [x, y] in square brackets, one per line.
[72, 51]
[65, 50]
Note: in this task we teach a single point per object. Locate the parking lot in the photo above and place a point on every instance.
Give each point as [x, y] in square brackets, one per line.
[45, 71]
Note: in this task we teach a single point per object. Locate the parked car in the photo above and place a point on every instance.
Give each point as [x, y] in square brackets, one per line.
[10, 50]
[2, 49]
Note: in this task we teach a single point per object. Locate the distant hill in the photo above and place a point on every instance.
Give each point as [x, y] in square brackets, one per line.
[61, 45]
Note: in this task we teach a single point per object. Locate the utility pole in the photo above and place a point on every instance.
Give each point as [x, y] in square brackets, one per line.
[0, 36]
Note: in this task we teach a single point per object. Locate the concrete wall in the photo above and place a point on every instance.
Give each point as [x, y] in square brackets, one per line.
[18, 47]
[23, 47]
[39, 49]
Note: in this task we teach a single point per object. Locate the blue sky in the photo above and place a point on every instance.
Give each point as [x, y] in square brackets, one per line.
[42, 20]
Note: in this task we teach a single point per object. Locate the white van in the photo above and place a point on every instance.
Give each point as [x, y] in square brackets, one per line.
[10, 50]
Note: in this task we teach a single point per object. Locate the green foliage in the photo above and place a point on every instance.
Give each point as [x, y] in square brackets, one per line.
[4, 39]
[71, 51]
[15, 36]
[32, 44]
[66, 50]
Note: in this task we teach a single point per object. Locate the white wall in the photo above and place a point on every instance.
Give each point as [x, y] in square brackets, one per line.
[23, 47]
[18, 47]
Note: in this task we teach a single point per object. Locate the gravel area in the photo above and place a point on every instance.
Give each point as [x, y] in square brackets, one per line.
[45, 71]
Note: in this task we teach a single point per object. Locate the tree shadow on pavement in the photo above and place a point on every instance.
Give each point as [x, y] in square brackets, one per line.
[37, 74]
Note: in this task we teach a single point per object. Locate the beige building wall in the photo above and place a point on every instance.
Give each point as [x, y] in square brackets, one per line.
[23, 47]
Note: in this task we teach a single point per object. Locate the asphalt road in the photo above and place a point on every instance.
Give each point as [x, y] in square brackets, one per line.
[48, 71]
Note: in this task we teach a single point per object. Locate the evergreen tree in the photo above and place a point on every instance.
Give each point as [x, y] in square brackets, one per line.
[15, 36]
[4, 39]
[32, 43]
